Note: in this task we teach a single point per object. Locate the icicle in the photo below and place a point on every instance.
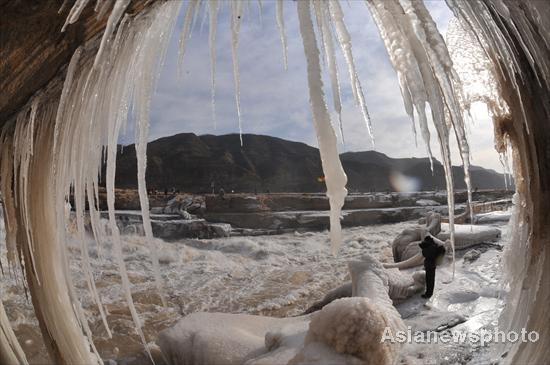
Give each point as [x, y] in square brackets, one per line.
[317, 11]
[85, 257]
[149, 60]
[282, 35]
[335, 177]
[8, 198]
[98, 4]
[63, 6]
[117, 244]
[103, 8]
[442, 66]
[213, 13]
[236, 13]
[331, 61]
[414, 74]
[345, 43]
[197, 11]
[205, 15]
[260, 11]
[185, 32]
[118, 10]
[74, 13]
[10, 349]
[419, 54]
[67, 86]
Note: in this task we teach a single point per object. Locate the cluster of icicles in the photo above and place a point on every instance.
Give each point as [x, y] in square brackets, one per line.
[57, 147]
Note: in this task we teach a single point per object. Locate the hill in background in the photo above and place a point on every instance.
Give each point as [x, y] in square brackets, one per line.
[190, 163]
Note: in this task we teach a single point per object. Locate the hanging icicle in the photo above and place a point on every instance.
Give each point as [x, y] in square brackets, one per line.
[334, 173]
[236, 14]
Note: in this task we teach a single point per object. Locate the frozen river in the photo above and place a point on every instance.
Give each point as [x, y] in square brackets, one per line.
[271, 275]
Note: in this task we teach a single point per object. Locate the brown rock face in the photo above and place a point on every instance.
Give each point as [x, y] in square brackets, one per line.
[33, 48]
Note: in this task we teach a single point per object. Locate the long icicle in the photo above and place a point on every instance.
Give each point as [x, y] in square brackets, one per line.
[236, 13]
[281, 25]
[185, 32]
[442, 66]
[150, 60]
[116, 14]
[213, 19]
[336, 179]
[344, 39]
[331, 63]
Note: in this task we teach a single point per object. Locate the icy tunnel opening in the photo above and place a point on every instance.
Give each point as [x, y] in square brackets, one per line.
[61, 148]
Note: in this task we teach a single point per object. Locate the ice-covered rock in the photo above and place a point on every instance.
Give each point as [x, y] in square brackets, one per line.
[471, 256]
[190, 228]
[218, 338]
[352, 326]
[410, 237]
[406, 244]
[467, 235]
[346, 331]
[182, 205]
[493, 217]
[426, 202]
[221, 229]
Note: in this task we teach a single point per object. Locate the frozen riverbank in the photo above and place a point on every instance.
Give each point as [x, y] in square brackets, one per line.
[269, 275]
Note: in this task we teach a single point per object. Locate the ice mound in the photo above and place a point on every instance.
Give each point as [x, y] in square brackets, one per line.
[467, 235]
[346, 331]
[216, 338]
[352, 326]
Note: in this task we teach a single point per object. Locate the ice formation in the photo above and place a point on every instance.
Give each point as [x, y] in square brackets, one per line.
[10, 350]
[345, 331]
[335, 177]
[281, 26]
[53, 148]
[212, 22]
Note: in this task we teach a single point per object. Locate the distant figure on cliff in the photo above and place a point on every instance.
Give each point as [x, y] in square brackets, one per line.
[432, 252]
[221, 193]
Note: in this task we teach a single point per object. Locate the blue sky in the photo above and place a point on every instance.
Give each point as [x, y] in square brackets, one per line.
[275, 102]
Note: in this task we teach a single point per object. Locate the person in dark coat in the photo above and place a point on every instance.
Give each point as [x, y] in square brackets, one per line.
[432, 252]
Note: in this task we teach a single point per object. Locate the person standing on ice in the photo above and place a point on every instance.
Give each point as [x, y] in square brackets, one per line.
[433, 252]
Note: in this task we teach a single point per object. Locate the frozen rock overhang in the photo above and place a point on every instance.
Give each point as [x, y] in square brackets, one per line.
[39, 135]
[34, 50]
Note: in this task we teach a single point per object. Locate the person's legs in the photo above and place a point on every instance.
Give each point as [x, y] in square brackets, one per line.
[430, 282]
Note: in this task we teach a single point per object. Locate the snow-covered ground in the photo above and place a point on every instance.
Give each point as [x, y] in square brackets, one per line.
[270, 275]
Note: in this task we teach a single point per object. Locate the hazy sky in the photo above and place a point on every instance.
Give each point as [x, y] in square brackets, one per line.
[276, 102]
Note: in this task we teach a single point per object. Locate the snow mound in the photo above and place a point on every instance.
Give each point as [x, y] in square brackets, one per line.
[468, 235]
[216, 338]
[353, 326]
[493, 217]
[426, 202]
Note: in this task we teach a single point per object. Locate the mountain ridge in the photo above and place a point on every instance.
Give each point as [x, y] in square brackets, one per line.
[191, 163]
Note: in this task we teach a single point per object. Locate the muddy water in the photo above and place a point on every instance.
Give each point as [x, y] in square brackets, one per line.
[270, 275]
